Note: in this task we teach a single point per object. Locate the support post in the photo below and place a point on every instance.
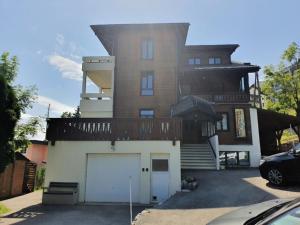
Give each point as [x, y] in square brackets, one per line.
[84, 83]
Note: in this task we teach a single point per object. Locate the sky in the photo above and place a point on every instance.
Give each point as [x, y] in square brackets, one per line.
[50, 37]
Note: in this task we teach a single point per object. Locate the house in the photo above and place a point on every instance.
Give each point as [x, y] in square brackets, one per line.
[18, 177]
[37, 152]
[162, 106]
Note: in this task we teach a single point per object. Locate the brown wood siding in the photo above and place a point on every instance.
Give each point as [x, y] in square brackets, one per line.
[229, 137]
[129, 67]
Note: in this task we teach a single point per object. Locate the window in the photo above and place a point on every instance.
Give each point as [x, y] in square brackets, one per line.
[146, 113]
[160, 165]
[240, 123]
[147, 49]
[194, 61]
[147, 81]
[222, 125]
[234, 159]
[242, 84]
[214, 60]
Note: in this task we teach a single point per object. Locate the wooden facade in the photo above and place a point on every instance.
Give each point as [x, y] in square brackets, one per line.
[223, 83]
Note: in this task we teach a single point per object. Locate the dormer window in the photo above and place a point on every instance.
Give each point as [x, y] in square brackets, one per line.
[147, 49]
[214, 60]
[194, 61]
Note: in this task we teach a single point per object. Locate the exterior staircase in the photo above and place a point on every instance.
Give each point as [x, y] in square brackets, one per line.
[197, 156]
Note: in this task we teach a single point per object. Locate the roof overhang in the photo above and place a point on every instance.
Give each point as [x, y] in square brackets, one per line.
[225, 47]
[193, 103]
[269, 120]
[230, 67]
[107, 33]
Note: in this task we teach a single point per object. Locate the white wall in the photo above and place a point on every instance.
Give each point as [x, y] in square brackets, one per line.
[254, 149]
[67, 161]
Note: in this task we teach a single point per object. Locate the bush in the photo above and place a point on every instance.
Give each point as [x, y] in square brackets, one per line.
[40, 178]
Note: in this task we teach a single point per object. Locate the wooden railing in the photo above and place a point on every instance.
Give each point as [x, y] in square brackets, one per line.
[111, 129]
[231, 97]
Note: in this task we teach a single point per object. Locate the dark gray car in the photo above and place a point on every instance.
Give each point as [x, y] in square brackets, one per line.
[274, 212]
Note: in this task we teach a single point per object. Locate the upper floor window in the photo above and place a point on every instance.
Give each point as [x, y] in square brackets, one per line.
[222, 125]
[147, 81]
[194, 61]
[146, 113]
[214, 60]
[147, 49]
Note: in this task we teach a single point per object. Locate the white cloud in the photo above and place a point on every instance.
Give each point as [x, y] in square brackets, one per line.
[39, 52]
[69, 68]
[60, 39]
[55, 106]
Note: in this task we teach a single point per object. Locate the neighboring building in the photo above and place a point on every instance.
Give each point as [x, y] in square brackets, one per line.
[162, 106]
[37, 152]
[257, 99]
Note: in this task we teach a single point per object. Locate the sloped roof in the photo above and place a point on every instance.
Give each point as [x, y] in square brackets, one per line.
[227, 47]
[229, 67]
[106, 33]
[193, 103]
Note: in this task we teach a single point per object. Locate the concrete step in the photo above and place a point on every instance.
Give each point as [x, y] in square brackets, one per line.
[198, 167]
[197, 156]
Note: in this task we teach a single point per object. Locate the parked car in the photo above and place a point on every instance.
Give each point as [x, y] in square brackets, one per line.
[274, 212]
[282, 168]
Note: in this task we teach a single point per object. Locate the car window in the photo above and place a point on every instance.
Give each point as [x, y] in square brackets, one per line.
[291, 217]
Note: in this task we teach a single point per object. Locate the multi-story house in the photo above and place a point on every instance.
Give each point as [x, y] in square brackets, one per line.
[162, 106]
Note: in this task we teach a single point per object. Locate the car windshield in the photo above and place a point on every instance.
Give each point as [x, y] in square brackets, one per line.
[296, 148]
[292, 217]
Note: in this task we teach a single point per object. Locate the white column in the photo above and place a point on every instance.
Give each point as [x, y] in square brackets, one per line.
[84, 83]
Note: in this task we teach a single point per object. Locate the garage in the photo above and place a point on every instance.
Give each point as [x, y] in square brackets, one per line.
[108, 177]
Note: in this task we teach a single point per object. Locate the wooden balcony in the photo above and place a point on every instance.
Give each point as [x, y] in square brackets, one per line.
[112, 129]
[226, 98]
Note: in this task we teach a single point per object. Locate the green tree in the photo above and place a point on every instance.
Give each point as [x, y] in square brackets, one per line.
[14, 100]
[281, 86]
[76, 114]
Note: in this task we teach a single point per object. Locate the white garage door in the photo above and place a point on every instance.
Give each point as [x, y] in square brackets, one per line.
[108, 177]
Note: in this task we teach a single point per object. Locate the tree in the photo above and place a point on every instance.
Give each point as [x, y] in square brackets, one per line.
[76, 114]
[14, 100]
[282, 83]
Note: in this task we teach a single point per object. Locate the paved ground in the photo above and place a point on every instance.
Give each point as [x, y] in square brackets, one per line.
[27, 209]
[218, 192]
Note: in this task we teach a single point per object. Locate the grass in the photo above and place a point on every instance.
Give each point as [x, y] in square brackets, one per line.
[3, 209]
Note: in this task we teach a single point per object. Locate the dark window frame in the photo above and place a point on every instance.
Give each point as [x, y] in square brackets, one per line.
[238, 159]
[147, 49]
[214, 58]
[228, 127]
[146, 109]
[143, 75]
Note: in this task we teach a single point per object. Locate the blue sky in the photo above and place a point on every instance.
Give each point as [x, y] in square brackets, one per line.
[50, 37]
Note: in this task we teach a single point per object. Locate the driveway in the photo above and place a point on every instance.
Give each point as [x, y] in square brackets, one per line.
[219, 192]
[27, 209]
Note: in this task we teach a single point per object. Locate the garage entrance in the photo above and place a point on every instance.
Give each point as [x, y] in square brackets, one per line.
[108, 177]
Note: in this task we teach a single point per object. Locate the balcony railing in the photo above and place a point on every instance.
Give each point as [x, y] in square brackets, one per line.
[111, 129]
[226, 98]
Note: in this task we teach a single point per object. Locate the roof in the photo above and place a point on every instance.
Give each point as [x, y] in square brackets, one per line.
[227, 67]
[39, 142]
[269, 120]
[192, 103]
[106, 33]
[227, 47]
[20, 156]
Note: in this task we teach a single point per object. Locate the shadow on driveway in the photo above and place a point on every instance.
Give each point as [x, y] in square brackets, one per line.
[227, 188]
[72, 215]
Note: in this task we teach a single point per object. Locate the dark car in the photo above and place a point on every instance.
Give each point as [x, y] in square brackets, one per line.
[281, 168]
[274, 212]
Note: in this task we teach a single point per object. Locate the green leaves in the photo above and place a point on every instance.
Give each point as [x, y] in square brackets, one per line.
[14, 100]
[281, 85]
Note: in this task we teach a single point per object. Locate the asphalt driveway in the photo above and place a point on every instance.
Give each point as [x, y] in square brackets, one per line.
[27, 209]
[218, 193]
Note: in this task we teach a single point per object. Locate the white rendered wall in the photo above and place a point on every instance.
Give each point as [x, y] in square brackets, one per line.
[67, 162]
[254, 149]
